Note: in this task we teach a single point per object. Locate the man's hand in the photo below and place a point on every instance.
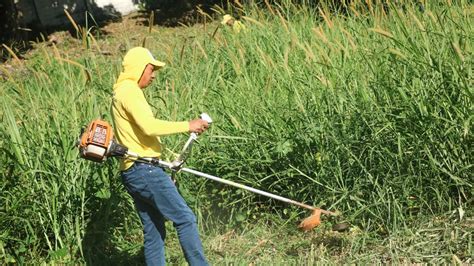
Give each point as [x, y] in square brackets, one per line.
[198, 126]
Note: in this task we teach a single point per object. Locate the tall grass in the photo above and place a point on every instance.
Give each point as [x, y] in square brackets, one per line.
[368, 112]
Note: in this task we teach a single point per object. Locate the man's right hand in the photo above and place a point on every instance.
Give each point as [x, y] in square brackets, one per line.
[198, 126]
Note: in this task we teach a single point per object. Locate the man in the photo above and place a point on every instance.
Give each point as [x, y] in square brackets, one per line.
[154, 193]
[236, 25]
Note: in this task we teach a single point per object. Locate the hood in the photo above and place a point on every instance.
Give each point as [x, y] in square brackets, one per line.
[226, 19]
[134, 64]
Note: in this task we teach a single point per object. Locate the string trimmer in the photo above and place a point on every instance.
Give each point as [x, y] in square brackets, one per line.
[97, 143]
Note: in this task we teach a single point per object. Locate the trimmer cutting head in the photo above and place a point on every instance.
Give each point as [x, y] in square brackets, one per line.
[311, 221]
[315, 220]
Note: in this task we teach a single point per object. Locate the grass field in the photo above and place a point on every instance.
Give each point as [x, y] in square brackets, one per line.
[367, 111]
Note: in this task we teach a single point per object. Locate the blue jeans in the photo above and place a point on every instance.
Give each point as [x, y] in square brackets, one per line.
[156, 199]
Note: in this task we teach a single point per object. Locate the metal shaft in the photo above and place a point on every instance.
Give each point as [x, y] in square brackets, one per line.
[224, 181]
[187, 148]
[251, 189]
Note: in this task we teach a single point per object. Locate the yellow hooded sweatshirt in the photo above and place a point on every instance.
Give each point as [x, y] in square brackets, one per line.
[135, 126]
[236, 25]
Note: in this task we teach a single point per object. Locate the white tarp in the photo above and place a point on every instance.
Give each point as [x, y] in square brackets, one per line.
[124, 7]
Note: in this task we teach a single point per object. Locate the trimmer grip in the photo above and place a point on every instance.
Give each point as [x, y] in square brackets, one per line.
[206, 118]
[177, 164]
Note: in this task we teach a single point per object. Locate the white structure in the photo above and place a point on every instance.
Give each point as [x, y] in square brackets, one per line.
[124, 7]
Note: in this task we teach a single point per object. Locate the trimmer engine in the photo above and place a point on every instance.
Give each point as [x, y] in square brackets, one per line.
[97, 142]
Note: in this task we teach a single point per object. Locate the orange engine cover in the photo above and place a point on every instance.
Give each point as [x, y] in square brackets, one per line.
[96, 140]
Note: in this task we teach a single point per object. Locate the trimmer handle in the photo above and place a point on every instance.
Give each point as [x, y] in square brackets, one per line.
[206, 118]
[178, 163]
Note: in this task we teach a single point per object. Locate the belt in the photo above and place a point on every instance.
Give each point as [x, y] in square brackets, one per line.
[150, 162]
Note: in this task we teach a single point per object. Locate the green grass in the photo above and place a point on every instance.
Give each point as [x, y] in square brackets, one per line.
[368, 113]
[262, 242]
